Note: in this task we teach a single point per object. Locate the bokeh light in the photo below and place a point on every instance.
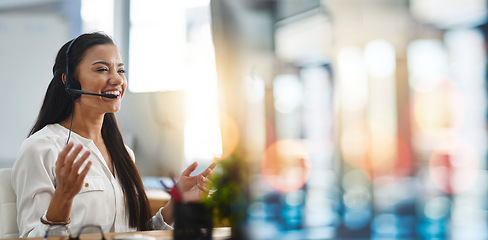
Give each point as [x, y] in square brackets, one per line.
[427, 62]
[286, 165]
[454, 167]
[230, 132]
[437, 207]
[353, 81]
[288, 93]
[357, 219]
[355, 144]
[404, 163]
[438, 109]
[380, 59]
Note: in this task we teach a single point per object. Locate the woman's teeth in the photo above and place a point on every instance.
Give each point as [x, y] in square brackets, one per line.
[116, 93]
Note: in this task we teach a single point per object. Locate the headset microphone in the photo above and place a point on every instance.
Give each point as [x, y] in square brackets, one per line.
[75, 92]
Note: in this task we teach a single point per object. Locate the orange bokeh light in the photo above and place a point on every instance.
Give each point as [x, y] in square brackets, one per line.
[286, 165]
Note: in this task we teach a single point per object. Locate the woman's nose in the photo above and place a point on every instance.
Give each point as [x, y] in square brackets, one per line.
[116, 78]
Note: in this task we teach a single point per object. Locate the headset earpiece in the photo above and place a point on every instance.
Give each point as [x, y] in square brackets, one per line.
[71, 84]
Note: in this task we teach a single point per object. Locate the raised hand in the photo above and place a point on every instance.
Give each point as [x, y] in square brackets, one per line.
[194, 188]
[69, 177]
[69, 181]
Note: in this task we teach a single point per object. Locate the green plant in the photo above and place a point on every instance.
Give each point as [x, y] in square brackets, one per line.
[229, 191]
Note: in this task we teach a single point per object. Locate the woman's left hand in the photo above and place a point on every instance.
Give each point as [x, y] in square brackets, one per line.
[194, 188]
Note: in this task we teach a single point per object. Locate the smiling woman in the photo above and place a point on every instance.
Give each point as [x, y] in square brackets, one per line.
[102, 185]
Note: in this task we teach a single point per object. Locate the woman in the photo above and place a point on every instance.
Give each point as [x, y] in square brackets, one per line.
[74, 167]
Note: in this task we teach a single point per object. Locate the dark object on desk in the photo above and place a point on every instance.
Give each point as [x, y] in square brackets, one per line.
[192, 221]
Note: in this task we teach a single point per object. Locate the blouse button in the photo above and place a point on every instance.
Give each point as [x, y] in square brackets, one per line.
[86, 184]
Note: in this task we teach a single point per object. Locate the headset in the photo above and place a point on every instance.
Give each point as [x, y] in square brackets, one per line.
[74, 89]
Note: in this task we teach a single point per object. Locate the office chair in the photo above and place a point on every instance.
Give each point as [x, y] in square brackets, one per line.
[8, 206]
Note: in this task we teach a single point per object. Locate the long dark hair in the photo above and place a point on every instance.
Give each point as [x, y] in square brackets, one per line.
[58, 105]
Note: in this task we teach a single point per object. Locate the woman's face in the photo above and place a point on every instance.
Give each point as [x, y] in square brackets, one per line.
[101, 71]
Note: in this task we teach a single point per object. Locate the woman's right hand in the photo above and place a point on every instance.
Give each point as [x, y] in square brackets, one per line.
[69, 181]
[69, 178]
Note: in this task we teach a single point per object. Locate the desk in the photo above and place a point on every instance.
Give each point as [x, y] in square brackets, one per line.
[157, 199]
[218, 233]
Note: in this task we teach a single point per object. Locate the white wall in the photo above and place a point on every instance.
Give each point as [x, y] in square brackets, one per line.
[28, 46]
[153, 126]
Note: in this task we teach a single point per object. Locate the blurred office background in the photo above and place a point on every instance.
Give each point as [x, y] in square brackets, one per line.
[359, 119]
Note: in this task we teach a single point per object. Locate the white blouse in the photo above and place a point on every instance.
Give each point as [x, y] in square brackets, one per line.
[101, 200]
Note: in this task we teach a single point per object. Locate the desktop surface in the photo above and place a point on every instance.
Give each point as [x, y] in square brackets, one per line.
[218, 233]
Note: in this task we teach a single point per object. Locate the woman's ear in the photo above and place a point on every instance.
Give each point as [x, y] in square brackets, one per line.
[63, 78]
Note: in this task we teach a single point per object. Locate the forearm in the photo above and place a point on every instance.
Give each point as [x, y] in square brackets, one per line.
[167, 212]
[163, 218]
[59, 208]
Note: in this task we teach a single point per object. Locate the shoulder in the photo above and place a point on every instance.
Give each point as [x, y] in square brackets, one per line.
[44, 145]
[46, 138]
[38, 153]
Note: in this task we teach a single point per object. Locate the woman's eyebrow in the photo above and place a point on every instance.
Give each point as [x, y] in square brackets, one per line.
[107, 64]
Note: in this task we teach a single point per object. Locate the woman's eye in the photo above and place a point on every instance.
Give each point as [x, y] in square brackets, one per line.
[122, 71]
[102, 70]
